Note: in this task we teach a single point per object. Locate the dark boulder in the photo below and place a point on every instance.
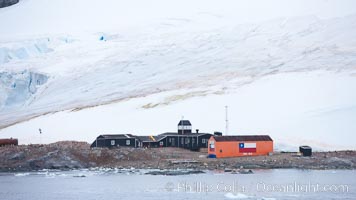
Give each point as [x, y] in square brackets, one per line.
[5, 3]
[175, 172]
[18, 156]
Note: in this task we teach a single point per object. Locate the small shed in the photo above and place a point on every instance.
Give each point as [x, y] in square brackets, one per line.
[9, 142]
[305, 150]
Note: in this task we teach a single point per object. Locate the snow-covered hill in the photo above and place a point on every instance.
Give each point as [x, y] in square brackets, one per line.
[286, 69]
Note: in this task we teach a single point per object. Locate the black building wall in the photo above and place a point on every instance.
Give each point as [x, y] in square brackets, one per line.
[114, 143]
[192, 142]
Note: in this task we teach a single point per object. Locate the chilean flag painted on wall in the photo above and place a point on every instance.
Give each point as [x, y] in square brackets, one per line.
[212, 146]
[247, 147]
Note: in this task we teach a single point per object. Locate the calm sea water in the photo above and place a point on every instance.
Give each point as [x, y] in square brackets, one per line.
[122, 184]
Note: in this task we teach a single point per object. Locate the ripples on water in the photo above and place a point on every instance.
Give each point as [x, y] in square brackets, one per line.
[134, 184]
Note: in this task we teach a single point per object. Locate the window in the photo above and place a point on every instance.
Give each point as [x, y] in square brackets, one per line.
[184, 127]
[170, 140]
[161, 143]
[193, 140]
[203, 140]
[112, 142]
[182, 140]
[128, 142]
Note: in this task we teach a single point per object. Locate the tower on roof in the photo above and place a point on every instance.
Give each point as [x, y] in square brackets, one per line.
[184, 127]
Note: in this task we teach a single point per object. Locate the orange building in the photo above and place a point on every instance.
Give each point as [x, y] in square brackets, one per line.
[244, 145]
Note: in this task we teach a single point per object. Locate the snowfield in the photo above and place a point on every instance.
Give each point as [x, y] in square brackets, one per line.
[77, 69]
[315, 108]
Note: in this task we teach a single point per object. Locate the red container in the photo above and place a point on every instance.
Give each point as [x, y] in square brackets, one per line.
[6, 142]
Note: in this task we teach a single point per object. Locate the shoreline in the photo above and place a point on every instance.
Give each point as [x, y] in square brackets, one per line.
[151, 172]
[71, 155]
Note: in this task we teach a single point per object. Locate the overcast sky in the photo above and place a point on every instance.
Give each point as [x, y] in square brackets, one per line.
[58, 16]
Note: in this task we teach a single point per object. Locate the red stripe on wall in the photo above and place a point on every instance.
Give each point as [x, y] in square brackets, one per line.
[247, 150]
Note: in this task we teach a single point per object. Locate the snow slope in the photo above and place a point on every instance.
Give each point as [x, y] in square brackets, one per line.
[315, 108]
[147, 57]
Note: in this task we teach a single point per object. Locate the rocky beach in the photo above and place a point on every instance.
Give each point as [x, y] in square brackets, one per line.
[70, 155]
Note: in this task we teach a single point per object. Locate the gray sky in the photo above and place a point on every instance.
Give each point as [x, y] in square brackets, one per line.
[62, 16]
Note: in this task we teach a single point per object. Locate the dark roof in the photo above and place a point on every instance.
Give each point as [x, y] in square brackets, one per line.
[305, 147]
[117, 136]
[144, 138]
[184, 123]
[244, 138]
[169, 133]
[185, 134]
[150, 138]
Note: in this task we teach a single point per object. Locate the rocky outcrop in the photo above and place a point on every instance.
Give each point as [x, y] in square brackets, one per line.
[78, 155]
[5, 3]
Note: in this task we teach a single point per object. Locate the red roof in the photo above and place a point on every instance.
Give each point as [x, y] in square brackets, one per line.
[243, 138]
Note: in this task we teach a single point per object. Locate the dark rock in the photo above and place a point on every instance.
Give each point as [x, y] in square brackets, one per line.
[79, 176]
[339, 162]
[5, 3]
[252, 166]
[228, 170]
[174, 173]
[35, 164]
[18, 156]
[245, 171]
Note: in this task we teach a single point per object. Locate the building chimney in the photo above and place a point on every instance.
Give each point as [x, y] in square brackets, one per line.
[197, 130]
[217, 133]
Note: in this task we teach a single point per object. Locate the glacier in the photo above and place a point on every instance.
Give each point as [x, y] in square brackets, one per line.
[17, 88]
[55, 67]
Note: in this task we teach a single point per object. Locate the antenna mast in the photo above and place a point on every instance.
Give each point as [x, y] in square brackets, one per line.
[40, 130]
[226, 121]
